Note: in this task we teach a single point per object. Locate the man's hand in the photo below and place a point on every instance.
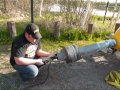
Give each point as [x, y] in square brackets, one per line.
[39, 62]
[53, 56]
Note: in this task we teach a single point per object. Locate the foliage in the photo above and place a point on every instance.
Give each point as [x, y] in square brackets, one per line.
[100, 18]
[46, 34]
[4, 17]
[68, 33]
[4, 37]
[75, 34]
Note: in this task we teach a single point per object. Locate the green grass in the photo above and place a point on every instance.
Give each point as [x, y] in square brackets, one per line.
[51, 45]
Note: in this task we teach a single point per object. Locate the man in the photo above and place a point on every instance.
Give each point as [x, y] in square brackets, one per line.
[24, 49]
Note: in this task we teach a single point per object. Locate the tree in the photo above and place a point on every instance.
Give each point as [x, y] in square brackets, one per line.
[112, 18]
[4, 6]
[85, 13]
[41, 6]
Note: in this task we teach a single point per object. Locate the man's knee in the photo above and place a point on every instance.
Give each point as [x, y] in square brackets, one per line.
[33, 71]
[27, 72]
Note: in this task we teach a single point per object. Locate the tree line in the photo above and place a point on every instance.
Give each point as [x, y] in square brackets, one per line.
[72, 12]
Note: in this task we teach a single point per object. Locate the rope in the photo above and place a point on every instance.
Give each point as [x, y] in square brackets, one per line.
[47, 76]
[113, 78]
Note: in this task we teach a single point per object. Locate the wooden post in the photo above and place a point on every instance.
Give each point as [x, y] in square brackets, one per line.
[57, 29]
[117, 26]
[32, 14]
[90, 27]
[11, 27]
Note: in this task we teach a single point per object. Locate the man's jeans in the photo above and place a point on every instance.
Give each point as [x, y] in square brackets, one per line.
[27, 71]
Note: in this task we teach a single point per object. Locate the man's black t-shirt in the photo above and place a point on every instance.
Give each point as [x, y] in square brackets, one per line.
[21, 47]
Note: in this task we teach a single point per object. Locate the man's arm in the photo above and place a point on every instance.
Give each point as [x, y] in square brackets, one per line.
[27, 61]
[42, 53]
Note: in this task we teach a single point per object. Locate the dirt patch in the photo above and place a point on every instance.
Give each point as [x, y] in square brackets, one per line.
[85, 74]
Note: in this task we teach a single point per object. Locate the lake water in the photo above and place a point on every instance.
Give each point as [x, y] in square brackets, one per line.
[56, 8]
[102, 12]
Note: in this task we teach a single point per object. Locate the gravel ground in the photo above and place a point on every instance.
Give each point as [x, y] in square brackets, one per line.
[85, 74]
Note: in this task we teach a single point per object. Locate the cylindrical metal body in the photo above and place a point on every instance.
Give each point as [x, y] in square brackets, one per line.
[73, 53]
[93, 48]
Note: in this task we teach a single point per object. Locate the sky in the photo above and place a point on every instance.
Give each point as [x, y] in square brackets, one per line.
[111, 1]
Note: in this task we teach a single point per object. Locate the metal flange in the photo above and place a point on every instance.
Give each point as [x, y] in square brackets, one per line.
[71, 54]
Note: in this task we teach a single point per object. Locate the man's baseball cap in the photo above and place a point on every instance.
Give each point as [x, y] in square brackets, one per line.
[33, 30]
